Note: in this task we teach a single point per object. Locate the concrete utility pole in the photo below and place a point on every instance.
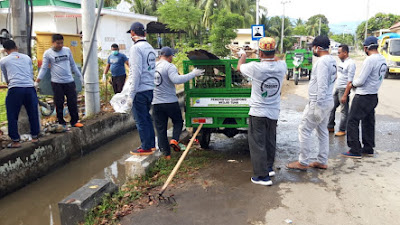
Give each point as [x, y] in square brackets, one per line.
[92, 91]
[19, 35]
[366, 22]
[258, 12]
[18, 25]
[319, 29]
[283, 23]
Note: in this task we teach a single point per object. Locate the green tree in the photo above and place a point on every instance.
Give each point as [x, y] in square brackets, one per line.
[110, 3]
[377, 22]
[300, 30]
[223, 30]
[180, 15]
[141, 7]
[313, 25]
[273, 27]
[348, 39]
[246, 8]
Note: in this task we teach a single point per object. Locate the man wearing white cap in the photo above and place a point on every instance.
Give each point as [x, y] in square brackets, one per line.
[267, 76]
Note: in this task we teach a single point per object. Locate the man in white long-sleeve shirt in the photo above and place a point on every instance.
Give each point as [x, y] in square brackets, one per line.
[142, 66]
[61, 63]
[362, 109]
[316, 113]
[165, 102]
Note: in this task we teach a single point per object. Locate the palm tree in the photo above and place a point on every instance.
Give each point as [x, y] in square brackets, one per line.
[246, 8]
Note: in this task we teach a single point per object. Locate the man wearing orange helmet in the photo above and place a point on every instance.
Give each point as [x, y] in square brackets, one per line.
[267, 76]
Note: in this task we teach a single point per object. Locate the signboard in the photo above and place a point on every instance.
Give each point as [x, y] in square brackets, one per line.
[257, 32]
[219, 102]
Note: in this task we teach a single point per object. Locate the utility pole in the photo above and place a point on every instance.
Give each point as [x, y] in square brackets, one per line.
[319, 29]
[283, 23]
[344, 26]
[366, 22]
[19, 35]
[257, 12]
[92, 90]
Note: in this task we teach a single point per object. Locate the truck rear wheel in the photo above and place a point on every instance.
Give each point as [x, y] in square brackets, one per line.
[204, 138]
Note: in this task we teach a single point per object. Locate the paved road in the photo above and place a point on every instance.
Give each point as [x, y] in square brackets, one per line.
[351, 191]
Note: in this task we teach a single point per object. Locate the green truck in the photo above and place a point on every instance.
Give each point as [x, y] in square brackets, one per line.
[219, 99]
[299, 64]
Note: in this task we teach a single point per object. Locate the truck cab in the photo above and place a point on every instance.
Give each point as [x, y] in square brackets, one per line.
[390, 49]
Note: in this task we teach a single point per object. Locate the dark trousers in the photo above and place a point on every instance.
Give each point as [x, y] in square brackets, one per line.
[161, 113]
[362, 109]
[144, 123]
[118, 83]
[69, 90]
[344, 109]
[262, 144]
[16, 98]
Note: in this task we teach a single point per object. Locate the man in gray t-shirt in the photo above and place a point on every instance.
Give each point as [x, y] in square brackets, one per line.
[61, 63]
[18, 71]
[345, 74]
[165, 103]
[266, 84]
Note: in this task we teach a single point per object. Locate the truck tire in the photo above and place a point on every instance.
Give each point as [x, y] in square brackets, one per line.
[204, 138]
[296, 77]
[387, 74]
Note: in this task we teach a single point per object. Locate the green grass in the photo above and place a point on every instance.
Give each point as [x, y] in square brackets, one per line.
[129, 196]
[3, 112]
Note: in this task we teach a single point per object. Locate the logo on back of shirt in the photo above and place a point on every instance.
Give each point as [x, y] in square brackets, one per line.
[151, 61]
[270, 87]
[157, 78]
[60, 58]
[382, 71]
[333, 75]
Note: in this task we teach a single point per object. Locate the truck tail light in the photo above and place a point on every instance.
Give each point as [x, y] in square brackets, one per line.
[205, 120]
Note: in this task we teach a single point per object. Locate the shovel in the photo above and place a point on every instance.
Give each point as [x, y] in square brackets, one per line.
[172, 174]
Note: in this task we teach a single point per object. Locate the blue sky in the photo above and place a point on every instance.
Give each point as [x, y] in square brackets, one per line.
[339, 12]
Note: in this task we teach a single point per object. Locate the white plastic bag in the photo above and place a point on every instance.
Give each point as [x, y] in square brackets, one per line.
[122, 102]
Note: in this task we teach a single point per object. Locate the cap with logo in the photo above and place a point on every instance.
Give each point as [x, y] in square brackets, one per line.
[167, 51]
[267, 44]
[137, 27]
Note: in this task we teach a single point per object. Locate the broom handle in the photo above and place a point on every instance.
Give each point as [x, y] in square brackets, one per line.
[171, 176]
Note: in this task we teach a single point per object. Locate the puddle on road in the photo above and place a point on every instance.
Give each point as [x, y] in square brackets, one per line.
[36, 204]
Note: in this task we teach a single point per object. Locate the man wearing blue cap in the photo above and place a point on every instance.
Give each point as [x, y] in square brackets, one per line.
[165, 103]
[142, 65]
[364, 102]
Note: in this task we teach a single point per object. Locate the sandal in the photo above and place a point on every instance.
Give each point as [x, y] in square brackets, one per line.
[297, 166]
[318, 165]
[14, 145]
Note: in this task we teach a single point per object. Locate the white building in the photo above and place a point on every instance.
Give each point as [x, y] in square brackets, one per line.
[112, 28]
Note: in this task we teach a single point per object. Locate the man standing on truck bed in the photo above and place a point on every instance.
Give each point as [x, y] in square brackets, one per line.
[267, 76]
[165, 103]
[364, 102]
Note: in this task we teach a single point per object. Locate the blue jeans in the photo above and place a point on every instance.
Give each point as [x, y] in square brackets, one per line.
[144, 123]
[16, 98]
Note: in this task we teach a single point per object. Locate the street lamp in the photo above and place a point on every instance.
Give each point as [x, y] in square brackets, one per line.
[283, 23]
